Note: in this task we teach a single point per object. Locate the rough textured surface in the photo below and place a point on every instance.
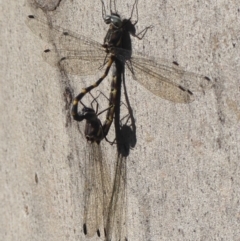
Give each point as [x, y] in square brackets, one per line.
[183, 174]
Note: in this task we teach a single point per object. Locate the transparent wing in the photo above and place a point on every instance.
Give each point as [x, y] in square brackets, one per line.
[75, 62]
[116, 221]
[64, 39]
[93, 200]
[169, 82]
[74, 53]
[97, 191]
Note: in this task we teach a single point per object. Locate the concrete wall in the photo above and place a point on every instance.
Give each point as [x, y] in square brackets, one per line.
[183, 173]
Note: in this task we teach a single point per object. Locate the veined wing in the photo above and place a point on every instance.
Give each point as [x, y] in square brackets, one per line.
[75, 62]
[62, 38]
[168, 82]
[159, 84]
[74, 53]
[97, 191]
[116, 221]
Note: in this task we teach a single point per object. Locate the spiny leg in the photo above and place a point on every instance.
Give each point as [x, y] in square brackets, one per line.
[142, 33]
[134, 5]
[103, 10]
[114, 6]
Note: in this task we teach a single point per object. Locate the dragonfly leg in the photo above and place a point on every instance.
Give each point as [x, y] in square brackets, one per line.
[141, 35]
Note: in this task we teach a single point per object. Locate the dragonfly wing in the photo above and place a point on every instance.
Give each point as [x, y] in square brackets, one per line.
[97, 191]
[62, 38]
[167, 80]
[159, 82]
[75, 62]
[93, 198]
[116, 222]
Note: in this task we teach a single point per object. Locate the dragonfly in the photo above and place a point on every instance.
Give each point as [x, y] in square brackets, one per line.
[98, 185]
[105, 201]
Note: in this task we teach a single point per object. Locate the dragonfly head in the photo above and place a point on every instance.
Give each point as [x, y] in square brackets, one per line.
[88, 114]
[113, 19]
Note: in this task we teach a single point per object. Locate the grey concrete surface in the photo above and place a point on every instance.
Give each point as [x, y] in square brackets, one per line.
[183, 174]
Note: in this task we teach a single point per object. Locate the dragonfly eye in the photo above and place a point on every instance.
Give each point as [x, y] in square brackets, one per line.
[107, 19]
[115, 20]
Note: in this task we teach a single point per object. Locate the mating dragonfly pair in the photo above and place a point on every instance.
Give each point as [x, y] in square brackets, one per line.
[83, 56]
[76, 54]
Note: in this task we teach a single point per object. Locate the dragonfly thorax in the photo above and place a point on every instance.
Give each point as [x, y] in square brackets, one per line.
[118, 35]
